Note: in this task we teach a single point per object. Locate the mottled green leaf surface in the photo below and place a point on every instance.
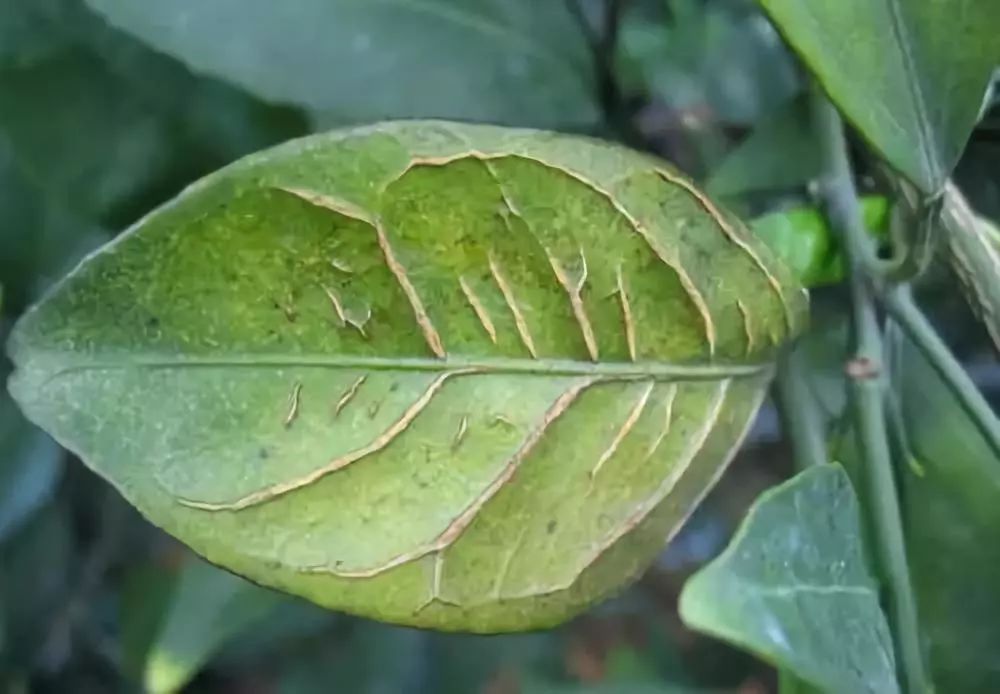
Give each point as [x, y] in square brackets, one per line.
[793, 587]
[513, 61]
[909, 74]
[950, 484]
[454, 376]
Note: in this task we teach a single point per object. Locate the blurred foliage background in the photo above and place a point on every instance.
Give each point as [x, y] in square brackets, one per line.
[109, 108]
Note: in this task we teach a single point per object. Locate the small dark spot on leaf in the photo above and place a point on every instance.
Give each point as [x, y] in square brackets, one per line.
[153, 322]
[263, 454]
[394, 387]
[551, 527]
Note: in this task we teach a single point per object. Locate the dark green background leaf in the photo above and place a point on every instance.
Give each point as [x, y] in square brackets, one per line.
[910, 74]
[507, 61]
[779, 153]
[950, 489]
[208, 607]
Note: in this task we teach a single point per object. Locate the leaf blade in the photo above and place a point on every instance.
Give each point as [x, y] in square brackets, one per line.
[360, 468]
[364, 61]
[795, 567]
[931, 73]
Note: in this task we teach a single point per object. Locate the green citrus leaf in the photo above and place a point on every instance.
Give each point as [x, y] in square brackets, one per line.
[513, 61]
[794, 588]
[910, 74]
[446, 375]
[208, 608]
[950, 485]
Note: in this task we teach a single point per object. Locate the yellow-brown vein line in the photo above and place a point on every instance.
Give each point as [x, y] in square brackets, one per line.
[625, 428]
[399, 272]
[666, 258]
[719, 471]
[381, 441]
[479, 309]
[685, 279]
[626, 314]
[335, 302]
[684, 461]
[733, 235]
[349, 394]
[463, 429]
[293, 404]
[508, 296]
[668, 417]
[576, 301]
[463, 519]
[320, 200]
[419, 312]
[745, 314]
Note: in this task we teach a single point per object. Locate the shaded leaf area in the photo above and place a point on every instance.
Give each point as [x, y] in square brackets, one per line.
[950, 484]
[794, 587]
[128, 103]
[704, 71]
[207, 608]
[521, 63]
[397, 381]
[37, 565]
[803, 240]
[716, 61]
[909, 74]
[778, 154]
[29, 467]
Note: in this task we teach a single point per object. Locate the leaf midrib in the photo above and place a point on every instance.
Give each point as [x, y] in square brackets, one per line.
[59, 365]
[928, 150]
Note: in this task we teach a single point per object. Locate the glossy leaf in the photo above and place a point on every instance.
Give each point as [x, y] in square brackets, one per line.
[446, 375]
[972, 246]
[803, 240]
[950, 483]
[909, 74]
[208, 607]
[793, 587]
[520, 62]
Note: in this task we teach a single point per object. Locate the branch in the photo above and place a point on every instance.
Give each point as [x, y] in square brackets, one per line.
[898, 301]
[866, 390]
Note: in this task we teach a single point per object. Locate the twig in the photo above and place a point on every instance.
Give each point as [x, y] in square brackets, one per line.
[898, 301]
[866, 390]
